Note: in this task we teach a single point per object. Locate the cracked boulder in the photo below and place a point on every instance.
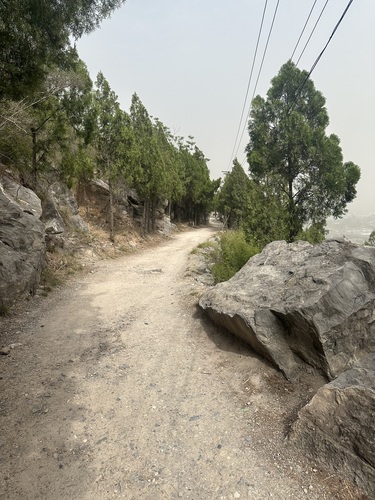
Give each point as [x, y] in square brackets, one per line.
[302, 305]
[336, 429]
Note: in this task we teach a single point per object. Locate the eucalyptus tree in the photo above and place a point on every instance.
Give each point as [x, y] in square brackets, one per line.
[293, 158]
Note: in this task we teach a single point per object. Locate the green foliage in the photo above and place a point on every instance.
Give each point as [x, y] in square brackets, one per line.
[234, 196]
[117, 156]
[36, 35]
[199, 190]
[55, 125]
[49, 133]
[4, 310]
[234, 252]
[172, 188]
[209, 248]
[15, 139]
[313, 234]
[291, 157]
[266, 217]
[371, 240]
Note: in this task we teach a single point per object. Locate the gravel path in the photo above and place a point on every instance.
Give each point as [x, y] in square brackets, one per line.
[121, 389]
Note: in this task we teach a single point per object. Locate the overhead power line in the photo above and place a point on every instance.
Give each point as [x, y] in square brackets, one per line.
[259, 72]
[303, 29]
[312, 32]
[317, 59]
[248, 83]
[319, 56]
[264, 54]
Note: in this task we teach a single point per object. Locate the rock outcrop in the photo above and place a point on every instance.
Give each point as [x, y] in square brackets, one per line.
[337, 427]
[298, 304]
[22, 246]
[60, 204]
[23, 196]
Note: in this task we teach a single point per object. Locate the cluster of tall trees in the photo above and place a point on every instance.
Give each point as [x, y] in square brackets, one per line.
[297, 177]
[54, 121]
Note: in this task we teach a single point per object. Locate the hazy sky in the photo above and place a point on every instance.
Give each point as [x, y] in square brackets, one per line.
[190, 60]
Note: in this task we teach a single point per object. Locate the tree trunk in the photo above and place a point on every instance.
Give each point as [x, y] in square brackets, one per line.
[292, 211]
[34, 167]
[153, 216]
[111, 221]
[146, 216]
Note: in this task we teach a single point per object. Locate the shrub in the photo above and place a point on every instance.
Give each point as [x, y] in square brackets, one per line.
[313, 234]
[371, 240]
[234, 252]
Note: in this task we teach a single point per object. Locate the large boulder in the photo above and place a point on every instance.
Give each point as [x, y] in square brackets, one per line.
[22, 246]
[337, 427]
[299, 304]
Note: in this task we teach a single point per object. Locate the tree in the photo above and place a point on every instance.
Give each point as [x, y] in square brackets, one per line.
[234, 196]
[173, 188]
[47, 131]
[371, 239]
[152, 183]
[266, 218]
[36, 34]
[117, 156]
[199, 190]
[290, 154]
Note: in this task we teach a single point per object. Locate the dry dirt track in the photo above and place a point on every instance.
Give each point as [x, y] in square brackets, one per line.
[120, 389]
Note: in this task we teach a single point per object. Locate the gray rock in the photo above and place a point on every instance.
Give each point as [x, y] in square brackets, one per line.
[60, 205]
[298, 303]
[165, 226]
[63, 197]
[22, 250]
[337, 427]
[24, 197]
[51, 217]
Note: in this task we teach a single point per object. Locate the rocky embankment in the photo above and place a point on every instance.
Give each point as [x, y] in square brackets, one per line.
[312, 308]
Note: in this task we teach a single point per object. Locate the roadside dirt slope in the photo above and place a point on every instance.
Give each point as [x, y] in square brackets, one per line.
[121, 389]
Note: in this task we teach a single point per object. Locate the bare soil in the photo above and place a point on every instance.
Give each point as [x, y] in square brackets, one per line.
[117, 386]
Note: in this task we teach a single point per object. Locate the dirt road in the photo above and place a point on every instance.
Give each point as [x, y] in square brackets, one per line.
[121, 389]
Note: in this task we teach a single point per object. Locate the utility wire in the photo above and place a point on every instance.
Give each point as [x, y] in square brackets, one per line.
[303, 30]
[319, 57]
[316, 60]
[264, 53]
[312, 32]
[248, 84]
[259, 72]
